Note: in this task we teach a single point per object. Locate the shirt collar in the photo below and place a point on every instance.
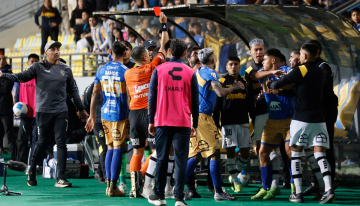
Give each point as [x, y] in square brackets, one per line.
[177, 60]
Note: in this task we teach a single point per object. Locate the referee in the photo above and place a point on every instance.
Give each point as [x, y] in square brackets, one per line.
[54, 80]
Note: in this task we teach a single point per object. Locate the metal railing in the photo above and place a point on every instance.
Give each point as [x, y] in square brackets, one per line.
[84, 64]
[19, 14]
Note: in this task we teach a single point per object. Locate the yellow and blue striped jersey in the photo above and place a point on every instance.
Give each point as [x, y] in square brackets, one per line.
[98, 35]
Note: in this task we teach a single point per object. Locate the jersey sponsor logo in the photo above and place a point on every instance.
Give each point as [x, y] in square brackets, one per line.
[275, 106]
[141, 95]
[48, 14]
[106, 110]
[175, 69]
[135, 141]
[228, 141]
[45, 70]
[111, 103]
[141, 87]
[152, 140]
[173, 89]
[203, 146]
[236, 96]
[111, 67]
[101, 133]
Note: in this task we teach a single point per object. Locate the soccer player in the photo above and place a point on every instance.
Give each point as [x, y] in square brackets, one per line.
[137, 87]
[308, 128]
[54, 80]
[330, 104]
[255, 88]
[234, 109]
[127, 62]
[206, 143]
[277, 128]
[173, 96]
[110, 80]
[294, 60]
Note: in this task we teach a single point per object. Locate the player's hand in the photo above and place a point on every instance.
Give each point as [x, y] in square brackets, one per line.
[53, 24]
[39, 26]
[197, 66]
[90, 124]
[151, 129]
[278, 72]
[239, 85]
[163, 18]
[273, 91]
[0, 73]
[83, 115]
[193, 132]
[16, 117]
[261, 95]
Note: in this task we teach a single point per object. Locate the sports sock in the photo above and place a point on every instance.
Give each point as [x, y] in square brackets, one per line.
[231, 166]
[275, 161]
[116, 166]
[135, 163]
[315, 168]
[241, 163]
[191, 165]
[145, 166]
[289, 167]
[123, 169]
[108, 159]
[215, 171]
[266, 175]
[325, 168]
[296, 170]
[150, 172]
[169, 173]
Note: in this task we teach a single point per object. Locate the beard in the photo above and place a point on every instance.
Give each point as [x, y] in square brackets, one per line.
[194, 62]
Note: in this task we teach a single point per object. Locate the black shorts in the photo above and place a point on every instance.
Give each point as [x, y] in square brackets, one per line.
[139, 129]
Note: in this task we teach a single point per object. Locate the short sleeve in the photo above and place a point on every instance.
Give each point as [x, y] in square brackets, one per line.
[97, 77]
[210, 75]
[159, 59]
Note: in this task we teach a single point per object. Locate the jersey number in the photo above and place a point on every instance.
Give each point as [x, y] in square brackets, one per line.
[175, 69]
[111, 88]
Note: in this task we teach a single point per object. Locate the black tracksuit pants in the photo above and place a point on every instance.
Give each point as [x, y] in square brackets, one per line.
[49, 123]
[45, 33]
[101, 144]
[27, 138]
[6, 129]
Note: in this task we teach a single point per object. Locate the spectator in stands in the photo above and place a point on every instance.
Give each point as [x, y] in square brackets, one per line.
[127, 58]
[312, 2]
[164, 3]
[120, 5]
[62, 6]
[210, 29]
[26, 93]
[50, 23]
[188, 40]
[98, 35]
[355, 16]
[197, 30]
[117, 35]
[154, 29]
[236, 2]
[132, 39]
[179, 2]
[138, 4]
[6, 114]
[145, 34]
[101, 5]
[77, 15]
[125, 33]
[152, 3]
[346, 15]
[83, 33]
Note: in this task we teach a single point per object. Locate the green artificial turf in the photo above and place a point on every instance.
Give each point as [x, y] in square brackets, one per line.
[89, 192]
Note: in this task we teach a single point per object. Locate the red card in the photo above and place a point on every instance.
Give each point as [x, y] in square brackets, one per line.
[157, 11]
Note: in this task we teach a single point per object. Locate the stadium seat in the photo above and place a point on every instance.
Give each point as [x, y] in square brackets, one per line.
[348, 92]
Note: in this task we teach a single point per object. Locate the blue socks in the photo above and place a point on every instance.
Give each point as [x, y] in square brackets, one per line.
[266, 174]
[215, 171]
[289, 167]
[191, 165]
[108, 159]
[115, 166]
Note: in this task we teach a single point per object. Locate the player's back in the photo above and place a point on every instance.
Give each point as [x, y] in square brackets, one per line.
[173, 95]
[111, 77]
[207, 95]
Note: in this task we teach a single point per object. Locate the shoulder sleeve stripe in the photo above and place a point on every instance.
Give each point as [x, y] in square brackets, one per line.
[222, 80]
[303, 70]
[248, 70]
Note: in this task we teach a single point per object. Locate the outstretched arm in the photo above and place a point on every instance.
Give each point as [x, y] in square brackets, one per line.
[222, 92]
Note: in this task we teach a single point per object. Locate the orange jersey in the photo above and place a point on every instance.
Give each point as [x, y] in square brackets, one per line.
[138, 82]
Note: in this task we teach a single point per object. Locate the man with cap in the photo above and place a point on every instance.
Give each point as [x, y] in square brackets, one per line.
[150, 45]
[54, 80]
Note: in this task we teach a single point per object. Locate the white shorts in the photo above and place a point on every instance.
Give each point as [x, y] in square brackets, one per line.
[260, 122]
[236, 136]
[308, 134]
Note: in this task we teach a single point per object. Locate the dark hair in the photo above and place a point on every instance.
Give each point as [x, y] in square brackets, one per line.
[146, 32]
[100, 64]
[315, 43]
[35, 56]
[94, 17]
[127, 44]
[178, 47]
[112, 34]
[132, 34]
[118, 48]
[86, 13]
[190, 50]
[167, 45]
[283, 58]
[43, 8]
[155, 52]
[355, 10]
[311, 49]
[138, 53]
[196, 24]
[232, 58]
[77, 4]
[192, 33]
[296, 51]
[274, 53]
[346, 15]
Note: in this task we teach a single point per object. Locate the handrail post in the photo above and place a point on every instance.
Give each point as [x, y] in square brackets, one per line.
[22, 66]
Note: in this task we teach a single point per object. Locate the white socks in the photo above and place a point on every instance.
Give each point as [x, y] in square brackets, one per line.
[150, 172]
[315, 168]
[325, 168]
[296, 170]
[275, 161]
[169, 173]
[231, 166]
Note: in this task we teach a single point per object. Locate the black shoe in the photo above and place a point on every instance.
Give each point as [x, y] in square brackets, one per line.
[194, 194]
[318, 195]
[334, 186]
[63, 182]
[137, 182]
[286, 186]
[156, 200]
[32, 179]
[298, 198]
[100, 178]
[131, 195]
[328, 197]
[312, 189]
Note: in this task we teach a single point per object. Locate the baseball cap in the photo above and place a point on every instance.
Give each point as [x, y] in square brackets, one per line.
[50, 43]
[149, 43]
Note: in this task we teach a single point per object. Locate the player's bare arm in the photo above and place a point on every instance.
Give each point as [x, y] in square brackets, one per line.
[222, 92]
[91, 121]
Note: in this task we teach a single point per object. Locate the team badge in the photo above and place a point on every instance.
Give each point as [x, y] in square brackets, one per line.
[214, 75]
[101, 133]
[62, 72]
